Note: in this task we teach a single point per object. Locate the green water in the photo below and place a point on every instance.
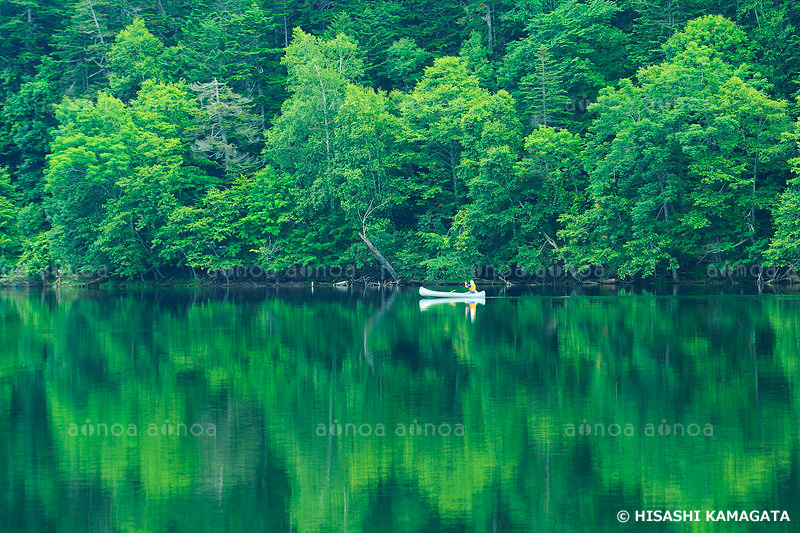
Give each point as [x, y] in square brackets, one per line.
[262, 374]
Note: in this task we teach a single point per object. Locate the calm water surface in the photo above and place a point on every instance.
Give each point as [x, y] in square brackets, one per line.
[292, 410]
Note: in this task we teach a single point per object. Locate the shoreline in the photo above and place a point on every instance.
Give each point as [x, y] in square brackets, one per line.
[341, 284]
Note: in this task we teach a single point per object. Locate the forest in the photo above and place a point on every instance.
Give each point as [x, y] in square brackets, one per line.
[406, 139]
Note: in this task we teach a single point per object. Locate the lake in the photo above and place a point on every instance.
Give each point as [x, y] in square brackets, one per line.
[320, 409]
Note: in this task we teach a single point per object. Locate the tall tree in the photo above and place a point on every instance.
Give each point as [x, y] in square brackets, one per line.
[227, 133]
[784, 249]
[29, 117]
[135, 56]
[302, 140]
[405, 63]
[82, 47]
[435, 111]
[237, 46]
[679, 161]
[551, 185]
[9, 240]
[115, 175]
[369, 159]
[572, 49]
[487, 227]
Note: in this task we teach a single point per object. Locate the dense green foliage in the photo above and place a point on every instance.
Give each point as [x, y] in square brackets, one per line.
[651, 139]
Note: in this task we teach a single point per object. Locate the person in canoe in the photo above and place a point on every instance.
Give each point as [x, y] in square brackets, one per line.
[470, 285]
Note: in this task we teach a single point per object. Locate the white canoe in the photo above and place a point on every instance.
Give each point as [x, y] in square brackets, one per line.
[425, 293]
